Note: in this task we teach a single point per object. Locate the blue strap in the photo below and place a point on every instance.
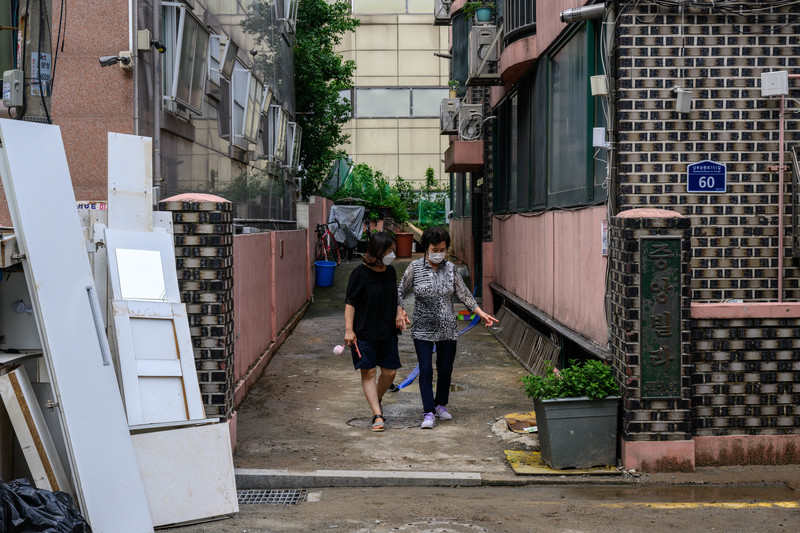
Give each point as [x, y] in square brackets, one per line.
[414, 373]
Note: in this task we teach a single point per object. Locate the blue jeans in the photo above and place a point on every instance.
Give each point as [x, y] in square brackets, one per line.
[445, 356]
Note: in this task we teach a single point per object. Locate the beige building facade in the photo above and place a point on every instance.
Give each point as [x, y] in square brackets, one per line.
[398, 87]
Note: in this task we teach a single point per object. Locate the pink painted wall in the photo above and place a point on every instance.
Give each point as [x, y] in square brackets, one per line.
[554, 262]
[461, 245]
[318, 210]
[268, 290]
[548, 23]
[252, 299]
[290, 263]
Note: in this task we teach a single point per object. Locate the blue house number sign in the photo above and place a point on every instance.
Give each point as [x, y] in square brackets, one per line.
[706, 176]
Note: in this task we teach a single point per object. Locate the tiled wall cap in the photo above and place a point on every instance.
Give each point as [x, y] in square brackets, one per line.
[195, 197]
[649, 212]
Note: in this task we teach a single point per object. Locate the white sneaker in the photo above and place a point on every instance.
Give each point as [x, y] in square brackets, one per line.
[442, 413]
[429, 421]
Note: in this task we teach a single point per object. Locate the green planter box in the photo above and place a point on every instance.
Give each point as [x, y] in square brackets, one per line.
[577, 432]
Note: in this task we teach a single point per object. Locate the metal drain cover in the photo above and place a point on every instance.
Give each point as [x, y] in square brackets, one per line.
[280, 496]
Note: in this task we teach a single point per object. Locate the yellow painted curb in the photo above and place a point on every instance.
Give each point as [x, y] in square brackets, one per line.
[531, 463]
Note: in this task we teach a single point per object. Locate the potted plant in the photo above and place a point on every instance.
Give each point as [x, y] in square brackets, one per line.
[453, 86]
[482, 10]
[576, 413]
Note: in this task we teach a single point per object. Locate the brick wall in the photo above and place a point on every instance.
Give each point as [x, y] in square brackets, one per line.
[735, 234]
[646, 419]
[746, 377]
[203, 230]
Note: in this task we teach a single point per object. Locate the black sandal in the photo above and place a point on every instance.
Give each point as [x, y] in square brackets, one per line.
[378, 426]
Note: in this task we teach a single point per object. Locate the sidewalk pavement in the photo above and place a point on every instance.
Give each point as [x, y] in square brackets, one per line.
[306, 422]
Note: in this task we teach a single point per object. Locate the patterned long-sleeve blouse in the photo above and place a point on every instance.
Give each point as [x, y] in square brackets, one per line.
[434, 318]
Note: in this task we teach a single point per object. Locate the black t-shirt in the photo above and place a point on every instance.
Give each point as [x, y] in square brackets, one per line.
[374, 296]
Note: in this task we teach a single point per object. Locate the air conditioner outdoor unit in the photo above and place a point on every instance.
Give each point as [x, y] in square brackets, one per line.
[483, 56]
[448, 114]
[441, 12]
[470, 121]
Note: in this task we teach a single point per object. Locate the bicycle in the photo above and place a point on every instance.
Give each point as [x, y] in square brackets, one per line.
[327, 249]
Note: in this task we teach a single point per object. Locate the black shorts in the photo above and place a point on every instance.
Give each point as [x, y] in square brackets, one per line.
[381, 353]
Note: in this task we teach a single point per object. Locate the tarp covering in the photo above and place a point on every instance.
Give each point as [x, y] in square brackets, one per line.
[26, 509]
[350, 220]
[338, 176]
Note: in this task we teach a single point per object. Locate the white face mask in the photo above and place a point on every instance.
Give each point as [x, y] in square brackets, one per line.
[388, 258]
[436, 258]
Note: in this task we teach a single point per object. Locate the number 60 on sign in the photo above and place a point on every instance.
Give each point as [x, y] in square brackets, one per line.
[705, 177]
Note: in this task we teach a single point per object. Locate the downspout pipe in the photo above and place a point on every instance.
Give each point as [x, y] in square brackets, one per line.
[157, 101]
[780, 202]
[133, 25]
[781, 170]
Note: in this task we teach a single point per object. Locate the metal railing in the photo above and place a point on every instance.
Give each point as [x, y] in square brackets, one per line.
[519, 19]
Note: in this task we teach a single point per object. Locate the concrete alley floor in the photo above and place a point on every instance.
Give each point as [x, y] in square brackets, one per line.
[308, 411]
[308, 417]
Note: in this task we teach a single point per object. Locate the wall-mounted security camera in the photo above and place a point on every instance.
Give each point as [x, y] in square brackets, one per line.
[124, 59]
[253, 52]
[158, 45]
[577, 14]
[107, 61]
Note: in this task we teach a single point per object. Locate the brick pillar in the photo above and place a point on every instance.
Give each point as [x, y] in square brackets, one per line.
[203, 226]
[649, 253]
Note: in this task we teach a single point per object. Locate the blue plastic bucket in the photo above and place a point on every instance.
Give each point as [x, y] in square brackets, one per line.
[325, 271]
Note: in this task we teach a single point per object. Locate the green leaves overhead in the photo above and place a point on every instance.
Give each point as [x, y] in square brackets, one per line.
[320, 74]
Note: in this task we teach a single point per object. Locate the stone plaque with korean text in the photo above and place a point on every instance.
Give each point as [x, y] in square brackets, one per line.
[660, 305]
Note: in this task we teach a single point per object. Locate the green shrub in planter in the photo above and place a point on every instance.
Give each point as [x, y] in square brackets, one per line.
[592, 378]
[576, 412]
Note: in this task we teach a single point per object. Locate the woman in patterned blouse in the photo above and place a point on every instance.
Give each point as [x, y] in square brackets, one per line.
[434, 281]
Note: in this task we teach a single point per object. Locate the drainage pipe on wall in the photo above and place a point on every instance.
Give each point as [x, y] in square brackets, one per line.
[133, 25]
[781, 169]
[780, 203]
[157, 180]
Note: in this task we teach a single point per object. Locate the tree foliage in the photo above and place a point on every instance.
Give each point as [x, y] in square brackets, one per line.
[320, 73]
[374, 192]
[431, 204]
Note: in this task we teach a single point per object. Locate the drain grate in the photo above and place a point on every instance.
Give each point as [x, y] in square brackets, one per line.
[280, 496]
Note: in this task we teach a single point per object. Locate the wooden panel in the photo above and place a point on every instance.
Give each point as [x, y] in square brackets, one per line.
[184, 481]
[130, 182]
[157, 369]
[31, 431]
[42, 207]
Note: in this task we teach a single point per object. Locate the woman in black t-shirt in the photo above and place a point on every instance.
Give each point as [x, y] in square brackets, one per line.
[371, 321]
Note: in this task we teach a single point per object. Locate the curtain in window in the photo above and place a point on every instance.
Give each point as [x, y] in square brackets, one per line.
[569, 71]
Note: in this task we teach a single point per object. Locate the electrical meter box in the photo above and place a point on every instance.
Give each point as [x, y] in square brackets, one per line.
[12, 88]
